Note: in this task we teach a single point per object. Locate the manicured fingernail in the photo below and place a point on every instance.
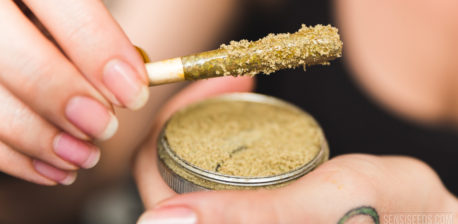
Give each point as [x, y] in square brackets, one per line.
[60, 176]
[169, 215]
[91, 117]
[76, 151]
[122, 80]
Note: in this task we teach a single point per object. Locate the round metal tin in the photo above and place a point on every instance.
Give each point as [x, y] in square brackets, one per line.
[198, 179]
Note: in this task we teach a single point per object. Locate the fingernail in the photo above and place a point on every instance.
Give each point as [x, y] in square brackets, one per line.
[76, 151]
[121, 79]
[60, 176]
[169, 215]
[91, 117]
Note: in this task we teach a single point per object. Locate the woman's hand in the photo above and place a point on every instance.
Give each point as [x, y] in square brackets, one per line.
[346, 189]
[54, 98]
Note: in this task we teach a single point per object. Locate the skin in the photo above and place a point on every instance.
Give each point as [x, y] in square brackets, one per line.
[302, 200]
[359, 186]
[418, 81]
[33, 69]
[60, 204]
[409, 70]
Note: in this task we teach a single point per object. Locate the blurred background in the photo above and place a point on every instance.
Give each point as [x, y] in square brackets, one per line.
[353, 122]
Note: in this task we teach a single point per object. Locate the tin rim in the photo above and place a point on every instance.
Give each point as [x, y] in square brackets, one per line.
[239, 180]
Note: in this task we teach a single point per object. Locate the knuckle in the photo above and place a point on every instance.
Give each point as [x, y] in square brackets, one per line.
[416, 164]
[15, 116]
[36, 74]
[14, 129]
[348, 178]
[416, 168]
[84, 27]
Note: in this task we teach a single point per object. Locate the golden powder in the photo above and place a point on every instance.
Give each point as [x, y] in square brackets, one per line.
[308, 46]
[242, 138]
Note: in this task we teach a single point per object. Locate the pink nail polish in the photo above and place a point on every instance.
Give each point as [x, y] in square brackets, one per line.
[91, 117]
[122, 80]
[60, 176]
[169, 215]
[76, 151]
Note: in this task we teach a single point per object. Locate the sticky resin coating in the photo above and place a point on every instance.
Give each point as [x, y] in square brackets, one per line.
[308, 46]
[245, 139]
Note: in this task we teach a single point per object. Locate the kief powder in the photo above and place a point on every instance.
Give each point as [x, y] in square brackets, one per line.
[310, 45]
[241, 135]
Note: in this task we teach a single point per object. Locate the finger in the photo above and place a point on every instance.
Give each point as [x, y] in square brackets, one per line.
[97, 45]
[307, 200]
[347, 189]
[21, 166]
[151, 187]
[34, 70]
[30, 134]
[149, 181]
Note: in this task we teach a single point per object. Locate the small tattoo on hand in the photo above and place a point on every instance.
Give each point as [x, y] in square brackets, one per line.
[363, 211]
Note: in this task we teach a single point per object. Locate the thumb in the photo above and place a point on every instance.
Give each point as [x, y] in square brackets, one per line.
[217, 207]
[333, 193]
[150, 185]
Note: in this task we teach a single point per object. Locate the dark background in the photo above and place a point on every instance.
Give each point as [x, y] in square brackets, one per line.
[352, 122]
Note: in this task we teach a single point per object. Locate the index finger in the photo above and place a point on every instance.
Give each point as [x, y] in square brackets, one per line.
[95, 43]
